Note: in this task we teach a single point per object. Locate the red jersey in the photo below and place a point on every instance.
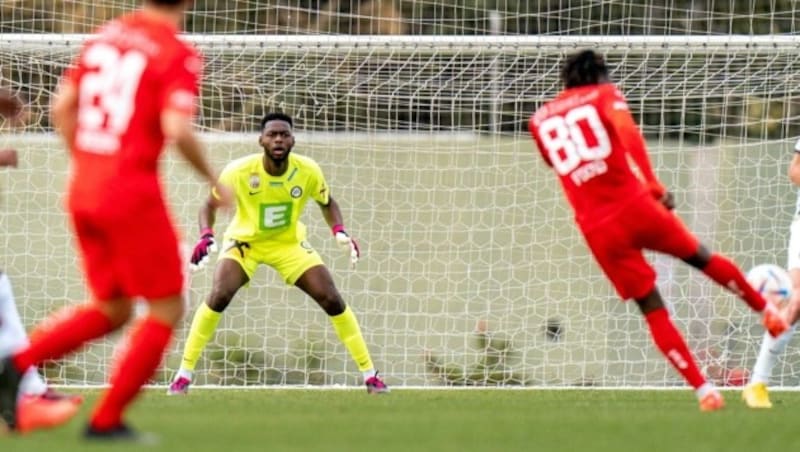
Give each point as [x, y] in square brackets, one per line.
[590, 139]
[126, 75]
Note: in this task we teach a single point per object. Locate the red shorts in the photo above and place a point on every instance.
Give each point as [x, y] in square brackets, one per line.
[129, 257]
[617, 245]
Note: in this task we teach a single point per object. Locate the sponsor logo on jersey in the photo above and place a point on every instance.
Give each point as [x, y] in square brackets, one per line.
[296, 192]
[275, 216]
[255, 181]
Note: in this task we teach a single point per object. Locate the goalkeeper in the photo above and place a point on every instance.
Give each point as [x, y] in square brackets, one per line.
[271, 190]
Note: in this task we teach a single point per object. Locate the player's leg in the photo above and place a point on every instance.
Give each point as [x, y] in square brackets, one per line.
[144, 350]
[671, 343]
[13, 338]
[664, 232]
[756, 394]
[63, 332]
[151, 269]
[229, 277]
[633, 278]
[72, 327]
[725, 273]
[36, 406]
[318, 284]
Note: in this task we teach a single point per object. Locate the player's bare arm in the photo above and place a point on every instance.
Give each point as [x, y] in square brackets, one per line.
[333, 216]
[178, 128]
[207, 215]
[64, 111]
[331, 212]
[10, 107]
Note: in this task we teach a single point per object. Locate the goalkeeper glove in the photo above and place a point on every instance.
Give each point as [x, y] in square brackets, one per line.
[205, 246]
[345, 241]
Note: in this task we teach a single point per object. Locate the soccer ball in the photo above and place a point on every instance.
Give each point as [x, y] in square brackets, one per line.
[772, 282]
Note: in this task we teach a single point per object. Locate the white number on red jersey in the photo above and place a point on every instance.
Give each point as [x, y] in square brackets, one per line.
[107, 93]
[567, 143]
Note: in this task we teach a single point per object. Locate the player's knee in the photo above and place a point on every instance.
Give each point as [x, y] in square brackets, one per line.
[169, 311]
[700, 259]
[219, 299]
[332, 304]
[650, 302]
[118, 312]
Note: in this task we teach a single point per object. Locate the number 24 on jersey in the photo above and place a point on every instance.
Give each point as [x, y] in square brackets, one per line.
[107, 94]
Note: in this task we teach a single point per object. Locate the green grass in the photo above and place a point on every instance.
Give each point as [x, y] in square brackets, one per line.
[458, 421]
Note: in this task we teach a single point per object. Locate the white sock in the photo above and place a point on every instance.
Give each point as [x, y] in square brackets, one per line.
[187, 374]
[703, 390]
[13, 337]
[369, 374]
[32, 383]
[771, 349]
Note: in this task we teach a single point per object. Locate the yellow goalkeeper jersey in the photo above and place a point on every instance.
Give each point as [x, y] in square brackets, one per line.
[269, 207]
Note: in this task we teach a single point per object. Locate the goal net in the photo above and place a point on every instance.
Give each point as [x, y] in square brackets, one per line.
[473, 273]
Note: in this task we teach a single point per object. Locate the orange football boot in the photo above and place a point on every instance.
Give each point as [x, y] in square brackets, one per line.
[35, 412]
[773, 321]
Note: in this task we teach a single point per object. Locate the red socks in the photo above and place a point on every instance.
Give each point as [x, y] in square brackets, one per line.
[62, 333]
[672, 345]
[728, 275]
[67, 330]
[145, 348]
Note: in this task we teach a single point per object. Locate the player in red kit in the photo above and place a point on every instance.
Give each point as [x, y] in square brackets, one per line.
[131, 89]
[589, 137]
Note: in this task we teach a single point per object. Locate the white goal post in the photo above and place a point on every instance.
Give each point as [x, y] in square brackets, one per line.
[473, 273]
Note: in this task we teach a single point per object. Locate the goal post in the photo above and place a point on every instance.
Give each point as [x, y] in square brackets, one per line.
[473, 272]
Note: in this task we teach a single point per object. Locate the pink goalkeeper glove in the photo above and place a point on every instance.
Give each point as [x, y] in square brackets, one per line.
[205, 246]
[348, 243]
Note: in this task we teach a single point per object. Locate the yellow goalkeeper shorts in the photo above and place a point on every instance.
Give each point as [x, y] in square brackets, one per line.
[290, 260]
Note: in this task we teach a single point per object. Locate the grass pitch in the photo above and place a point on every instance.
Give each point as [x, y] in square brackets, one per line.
[420, 420]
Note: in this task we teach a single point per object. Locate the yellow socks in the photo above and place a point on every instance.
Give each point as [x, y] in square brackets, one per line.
[204, 324]
[349, 333]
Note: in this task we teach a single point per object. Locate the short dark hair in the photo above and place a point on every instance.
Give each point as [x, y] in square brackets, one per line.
[275, 116]
[586, 67]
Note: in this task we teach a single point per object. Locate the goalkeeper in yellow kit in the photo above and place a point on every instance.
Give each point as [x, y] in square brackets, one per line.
[271, 190]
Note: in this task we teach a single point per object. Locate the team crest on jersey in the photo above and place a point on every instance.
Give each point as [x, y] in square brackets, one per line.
[296, 192]
[255, 181]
